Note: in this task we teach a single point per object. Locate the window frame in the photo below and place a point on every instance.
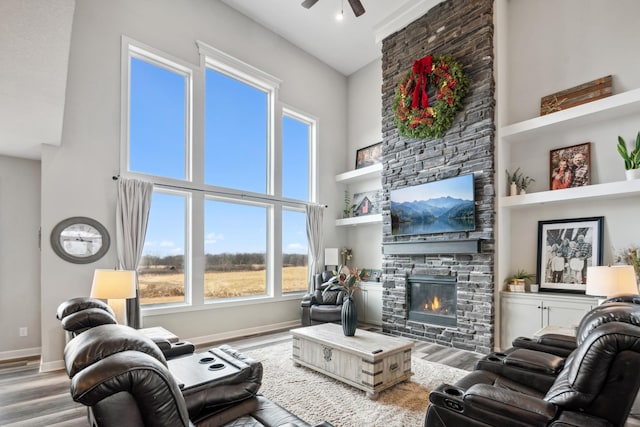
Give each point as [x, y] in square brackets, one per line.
[194, 185]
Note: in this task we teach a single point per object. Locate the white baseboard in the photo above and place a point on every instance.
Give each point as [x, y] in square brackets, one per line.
[20, 354]
[54, 365]
[243, 332]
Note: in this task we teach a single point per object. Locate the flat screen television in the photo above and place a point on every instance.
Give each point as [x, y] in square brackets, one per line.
[441, 206]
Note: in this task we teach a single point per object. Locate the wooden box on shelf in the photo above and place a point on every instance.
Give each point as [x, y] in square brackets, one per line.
[581, 94]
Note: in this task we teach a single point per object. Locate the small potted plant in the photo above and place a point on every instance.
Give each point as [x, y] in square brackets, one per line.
[517, 281]
[631, 159]
[513, 180]
[524, 183]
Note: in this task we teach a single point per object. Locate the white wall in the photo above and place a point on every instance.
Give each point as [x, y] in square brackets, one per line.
[77, 176]
[19, 257]
[365, 128]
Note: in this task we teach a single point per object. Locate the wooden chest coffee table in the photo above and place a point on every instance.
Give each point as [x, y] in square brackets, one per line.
[369, 361]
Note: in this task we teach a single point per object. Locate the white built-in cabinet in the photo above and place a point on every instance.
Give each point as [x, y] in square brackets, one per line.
[369, 303]
[525, 313]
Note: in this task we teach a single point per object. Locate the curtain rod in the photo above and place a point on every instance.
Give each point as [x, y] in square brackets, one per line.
[179, 187]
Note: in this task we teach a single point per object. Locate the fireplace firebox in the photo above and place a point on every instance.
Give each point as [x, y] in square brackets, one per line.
[433, 299]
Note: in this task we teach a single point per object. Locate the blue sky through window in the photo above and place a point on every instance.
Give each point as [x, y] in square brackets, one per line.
[236, 126]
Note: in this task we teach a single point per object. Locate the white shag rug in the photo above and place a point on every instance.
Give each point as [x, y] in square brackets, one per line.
[315, 397]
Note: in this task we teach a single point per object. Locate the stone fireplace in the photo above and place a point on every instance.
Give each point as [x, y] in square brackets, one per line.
[458, 265]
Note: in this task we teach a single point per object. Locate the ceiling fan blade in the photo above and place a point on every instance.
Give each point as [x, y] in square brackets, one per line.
[309, 3]
[357, 7]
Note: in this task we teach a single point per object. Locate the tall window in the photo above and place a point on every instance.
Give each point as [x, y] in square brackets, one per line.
[161, 274]
[220, 200]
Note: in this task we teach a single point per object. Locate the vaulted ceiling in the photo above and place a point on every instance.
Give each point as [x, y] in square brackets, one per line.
[35, 38]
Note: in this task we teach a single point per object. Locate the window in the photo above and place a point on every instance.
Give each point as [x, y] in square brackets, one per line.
[236, 140]
[295, 250]
[158, 133]
[161, 274]
[235, 250]
[296, 138]
[215, 216]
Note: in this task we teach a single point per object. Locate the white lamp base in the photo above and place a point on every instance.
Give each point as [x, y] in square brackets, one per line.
[119, 307]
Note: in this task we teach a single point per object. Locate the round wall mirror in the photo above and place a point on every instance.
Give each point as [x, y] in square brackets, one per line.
[80, 240]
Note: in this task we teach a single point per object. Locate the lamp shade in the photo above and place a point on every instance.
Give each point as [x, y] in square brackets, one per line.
[113, 284]
[609, 281]
[331, 256]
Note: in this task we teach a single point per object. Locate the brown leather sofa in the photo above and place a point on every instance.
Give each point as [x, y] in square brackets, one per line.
[124, 379]
[323, 305]
[596, 385]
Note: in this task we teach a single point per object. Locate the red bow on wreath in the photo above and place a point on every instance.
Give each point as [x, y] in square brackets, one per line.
[422, 68]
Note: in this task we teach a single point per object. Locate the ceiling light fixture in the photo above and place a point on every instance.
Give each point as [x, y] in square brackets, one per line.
[340, 15]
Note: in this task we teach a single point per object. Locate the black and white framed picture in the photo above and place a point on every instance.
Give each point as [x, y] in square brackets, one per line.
[566, 247]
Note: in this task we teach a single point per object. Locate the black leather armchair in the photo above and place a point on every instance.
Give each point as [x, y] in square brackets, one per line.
[78, 315]
[323, 305]
[124, 379]
[596, 387]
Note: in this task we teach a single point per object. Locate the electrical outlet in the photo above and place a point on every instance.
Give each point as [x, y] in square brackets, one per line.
[24, 331]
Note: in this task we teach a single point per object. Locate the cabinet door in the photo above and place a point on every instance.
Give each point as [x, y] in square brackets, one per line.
[520, 317]
[564, 314]
[373, 304]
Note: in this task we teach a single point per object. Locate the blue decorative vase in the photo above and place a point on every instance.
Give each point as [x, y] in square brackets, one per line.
[349, 317]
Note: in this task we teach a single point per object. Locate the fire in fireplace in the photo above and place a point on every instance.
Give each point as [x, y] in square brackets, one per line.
[433, 299]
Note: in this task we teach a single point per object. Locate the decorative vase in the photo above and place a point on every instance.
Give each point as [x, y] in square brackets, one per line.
[632, 174]
[523, 191]
[513, 189]
[349, 317]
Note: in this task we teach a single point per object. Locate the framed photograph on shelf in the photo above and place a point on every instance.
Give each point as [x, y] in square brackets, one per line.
[566, 247]
[367, 203]
[570, 166]
[368, 156]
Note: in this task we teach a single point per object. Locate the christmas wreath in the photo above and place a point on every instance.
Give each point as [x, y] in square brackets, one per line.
[415, 117]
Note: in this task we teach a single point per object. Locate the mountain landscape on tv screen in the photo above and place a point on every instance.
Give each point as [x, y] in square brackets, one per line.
[440, 215]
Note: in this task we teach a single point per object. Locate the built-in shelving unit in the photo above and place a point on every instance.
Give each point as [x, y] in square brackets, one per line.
[526, 145]
[360, 175]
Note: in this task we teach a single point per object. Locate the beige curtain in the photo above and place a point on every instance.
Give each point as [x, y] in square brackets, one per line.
[132, 215]
[315, 239]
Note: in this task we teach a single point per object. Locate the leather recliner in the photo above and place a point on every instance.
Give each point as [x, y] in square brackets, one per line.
[563, 345]
[124, 379]
[323, 305]
[539, 369]
[596, 387]
[78, 315]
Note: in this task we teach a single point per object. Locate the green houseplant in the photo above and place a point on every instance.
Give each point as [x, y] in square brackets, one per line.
[631, 158]
[518, 280]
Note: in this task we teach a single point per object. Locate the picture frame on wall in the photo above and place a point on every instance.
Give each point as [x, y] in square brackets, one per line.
[566, 247]
[368, 156]
[570, 166]
[367, 203]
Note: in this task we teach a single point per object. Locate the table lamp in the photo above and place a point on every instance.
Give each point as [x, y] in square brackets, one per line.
[609, 281]
[331, 257]
[115, 286]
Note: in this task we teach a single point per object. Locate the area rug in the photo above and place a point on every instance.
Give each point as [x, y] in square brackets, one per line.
[315, 397]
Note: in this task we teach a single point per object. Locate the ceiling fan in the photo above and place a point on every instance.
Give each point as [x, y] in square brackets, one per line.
[357, 7]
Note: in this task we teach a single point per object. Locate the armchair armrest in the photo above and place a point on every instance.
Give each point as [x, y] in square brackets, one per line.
[307, 300]
[560, 345]
[483, 399]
